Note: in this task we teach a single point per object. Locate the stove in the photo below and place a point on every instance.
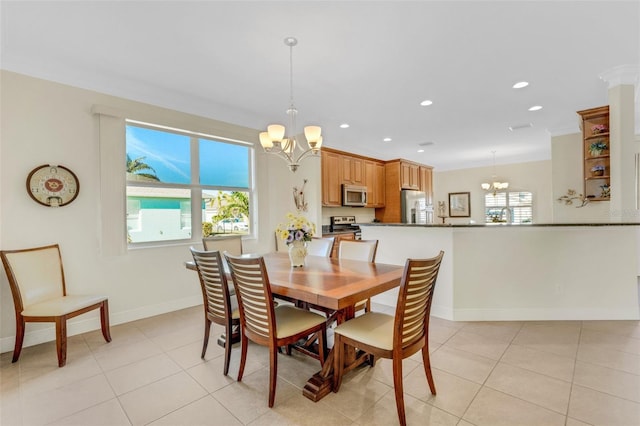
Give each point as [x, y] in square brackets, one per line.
[345, 223]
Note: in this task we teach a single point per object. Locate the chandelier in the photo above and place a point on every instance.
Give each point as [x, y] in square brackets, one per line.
[495, 184]
[274, 141]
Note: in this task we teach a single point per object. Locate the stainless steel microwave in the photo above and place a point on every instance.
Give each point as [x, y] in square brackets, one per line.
[354, 196]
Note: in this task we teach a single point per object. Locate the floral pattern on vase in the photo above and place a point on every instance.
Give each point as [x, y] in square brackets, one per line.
[298, 253]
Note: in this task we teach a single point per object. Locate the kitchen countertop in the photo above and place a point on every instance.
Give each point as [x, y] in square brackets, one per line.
[495, 225]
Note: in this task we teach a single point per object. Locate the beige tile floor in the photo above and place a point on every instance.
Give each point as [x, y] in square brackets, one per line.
[490, 373]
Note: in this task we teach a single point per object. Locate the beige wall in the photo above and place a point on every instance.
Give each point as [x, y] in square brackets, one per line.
[534, 177]
[44, 122]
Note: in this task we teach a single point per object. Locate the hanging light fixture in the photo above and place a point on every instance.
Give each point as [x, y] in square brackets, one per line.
[274, 140]
[495, 184]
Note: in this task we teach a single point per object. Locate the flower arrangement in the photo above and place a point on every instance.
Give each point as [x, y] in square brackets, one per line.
[597, 147]
[597, 170]
[296, 228]
[599, 128]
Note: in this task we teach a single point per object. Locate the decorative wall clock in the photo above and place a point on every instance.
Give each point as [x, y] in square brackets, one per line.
[52, 186]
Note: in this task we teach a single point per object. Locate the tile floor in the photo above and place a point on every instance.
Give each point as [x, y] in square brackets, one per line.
[490, 373]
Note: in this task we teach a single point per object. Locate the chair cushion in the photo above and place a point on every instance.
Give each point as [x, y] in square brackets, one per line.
[372, 328]
[291, 320]
[61, 305]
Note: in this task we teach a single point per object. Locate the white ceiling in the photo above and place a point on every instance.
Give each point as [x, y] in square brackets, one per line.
[365, 63]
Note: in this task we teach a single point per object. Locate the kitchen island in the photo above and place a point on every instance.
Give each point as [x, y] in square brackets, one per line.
[521, 272]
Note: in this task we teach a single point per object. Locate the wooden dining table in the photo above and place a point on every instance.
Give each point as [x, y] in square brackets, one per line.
[333, 285]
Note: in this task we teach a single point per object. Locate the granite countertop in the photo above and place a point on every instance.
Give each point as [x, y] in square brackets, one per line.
[496, 225]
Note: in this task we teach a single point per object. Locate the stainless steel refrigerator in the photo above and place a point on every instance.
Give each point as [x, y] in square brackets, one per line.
[415, 208]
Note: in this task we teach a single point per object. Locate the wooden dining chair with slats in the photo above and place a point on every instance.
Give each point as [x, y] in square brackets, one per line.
[266, 324]
[394, 337]
[364, 250]
[37, 282]
[220, 307]
[320, 246]
[229, 243]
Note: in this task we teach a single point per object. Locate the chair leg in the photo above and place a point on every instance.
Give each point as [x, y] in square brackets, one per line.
[227, 347]
[426, 361]
[104, 320]
[273, 375]
[397, 385]
[243, 355]
[61, 340]
[338, 350]
[19, 338]
[205, 340]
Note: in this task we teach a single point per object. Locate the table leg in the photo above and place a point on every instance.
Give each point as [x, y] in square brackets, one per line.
[321, 383]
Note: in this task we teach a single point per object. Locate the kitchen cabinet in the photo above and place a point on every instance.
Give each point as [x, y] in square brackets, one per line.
[409, 175]
[426, 183]
[399, 175]
[331, 164]
[340, 168]
[375, 180]
[595, 146]
[352, 170]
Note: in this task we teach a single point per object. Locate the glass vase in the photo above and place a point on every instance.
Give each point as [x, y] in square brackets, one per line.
[297, 253]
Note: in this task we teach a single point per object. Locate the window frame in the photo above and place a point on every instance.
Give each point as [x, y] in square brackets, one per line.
[195, 187]
[507, 193]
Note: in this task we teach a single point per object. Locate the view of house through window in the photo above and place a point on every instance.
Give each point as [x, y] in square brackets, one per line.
[169, 171]
[509, 207]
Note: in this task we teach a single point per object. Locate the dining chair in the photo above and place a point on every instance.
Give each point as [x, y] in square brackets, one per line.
[394, 337]
[266, 324]
[220, 307]
[222, 243]
[320, 246]
[364, 250]
[38, 287]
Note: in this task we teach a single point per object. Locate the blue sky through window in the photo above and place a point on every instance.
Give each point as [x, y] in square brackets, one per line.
[221, 164]
[168, 153]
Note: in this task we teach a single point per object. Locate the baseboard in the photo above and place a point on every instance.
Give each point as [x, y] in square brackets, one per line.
[541, 314]
[86, 323]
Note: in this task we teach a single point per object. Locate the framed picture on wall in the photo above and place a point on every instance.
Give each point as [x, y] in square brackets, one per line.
[459, 204]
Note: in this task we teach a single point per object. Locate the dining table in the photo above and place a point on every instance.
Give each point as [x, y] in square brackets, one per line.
[333, 286]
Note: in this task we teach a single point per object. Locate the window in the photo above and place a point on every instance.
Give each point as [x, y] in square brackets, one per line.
[179, 182]
[517, 205]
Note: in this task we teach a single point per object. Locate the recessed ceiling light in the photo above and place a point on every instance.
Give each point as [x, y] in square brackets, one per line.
[520, 84]
[421, 150]
[535, 108]
[387, 139]
[426, 102]
[344, 126]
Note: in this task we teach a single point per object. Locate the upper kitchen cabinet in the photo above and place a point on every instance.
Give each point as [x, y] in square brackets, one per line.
[399, 175]
[409, 175]
[352, 170]
[331, 165]
[340, 168]
[374, 177]
[596, 160]
[426, 182]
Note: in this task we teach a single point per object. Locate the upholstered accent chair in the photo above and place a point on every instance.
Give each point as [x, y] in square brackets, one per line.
[37, 282]
[394, 337]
